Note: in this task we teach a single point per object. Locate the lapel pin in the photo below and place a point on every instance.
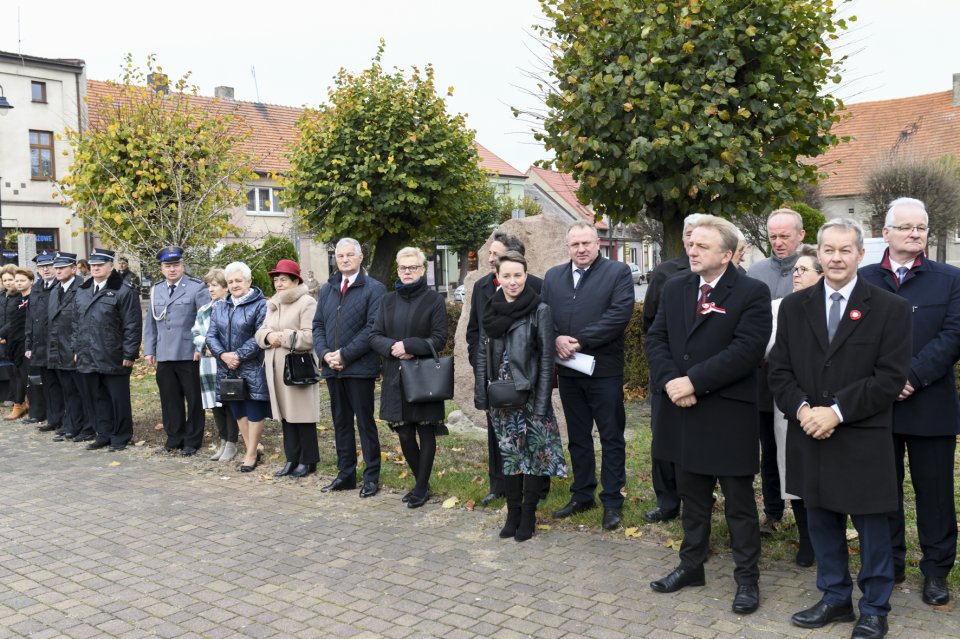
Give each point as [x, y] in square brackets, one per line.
[855, 315]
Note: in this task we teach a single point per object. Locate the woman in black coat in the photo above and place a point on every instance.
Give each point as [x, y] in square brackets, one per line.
[411, 319]
[9, 300]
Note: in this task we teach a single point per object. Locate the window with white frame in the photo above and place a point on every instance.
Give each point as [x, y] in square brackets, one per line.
[264, 200]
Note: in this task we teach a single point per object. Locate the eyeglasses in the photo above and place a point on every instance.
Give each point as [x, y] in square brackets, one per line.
[802, 270]
[409, 269]
[909, 228]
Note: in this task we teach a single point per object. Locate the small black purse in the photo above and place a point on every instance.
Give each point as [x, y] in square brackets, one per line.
[300, 369]
[232, 389]
[503, 393]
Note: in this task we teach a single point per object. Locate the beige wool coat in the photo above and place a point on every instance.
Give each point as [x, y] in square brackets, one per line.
[290, 311]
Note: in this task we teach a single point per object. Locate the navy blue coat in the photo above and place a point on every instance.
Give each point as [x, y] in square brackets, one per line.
[933, 291]
[107, 327]
[233, 329]
[35, 331]
[61, 317]
[345, 325]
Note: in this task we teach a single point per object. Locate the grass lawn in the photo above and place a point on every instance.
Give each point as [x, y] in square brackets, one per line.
[460, 471]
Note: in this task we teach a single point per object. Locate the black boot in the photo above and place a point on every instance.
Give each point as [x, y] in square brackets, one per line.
[513, 487]
[532, 485]
[805, 552]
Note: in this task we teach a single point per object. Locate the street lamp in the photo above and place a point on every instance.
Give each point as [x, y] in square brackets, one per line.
[4, 103]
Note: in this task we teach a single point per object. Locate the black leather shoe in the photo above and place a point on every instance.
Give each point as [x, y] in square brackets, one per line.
[117, 449]
[97, 445]
[679, 578]
[369, 489]
[490, 498]
[31, 420]
[659, 514]
[574, 507]
[870, 627]
[83, 438]
[611, 518]
[302, 470]
[416, 500]
[340, 483]
[69, 436]
[747, 599]
[46, 428]
[244, 468]
[188, 452]
[406, 497]
[821, 614]
[899, 576]
[286, 470]
[936, 591]
[59, 438]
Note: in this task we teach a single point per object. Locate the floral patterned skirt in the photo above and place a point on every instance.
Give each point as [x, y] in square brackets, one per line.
[529, 445]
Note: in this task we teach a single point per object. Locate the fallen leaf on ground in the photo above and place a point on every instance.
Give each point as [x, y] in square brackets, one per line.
[158, 426]
[477, 479]
[323, 428]
[673, 543]
[634, 533]
[852, 534]
[113, 464]
[441, 474]
[383, 456]
[457, 450]
[470, 505]
[403, 475]
[140, 443]
[266, 477]
[450, 502]
[944, 608]
[543, 526]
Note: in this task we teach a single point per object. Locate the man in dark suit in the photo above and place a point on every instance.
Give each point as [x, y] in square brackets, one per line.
[483, 290]
[592, 300]
[926, 419]
[840, 360]
[703, 348]
[662, 472]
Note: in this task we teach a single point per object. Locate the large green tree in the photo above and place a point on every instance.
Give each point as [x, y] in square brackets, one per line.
[383, 162]
[683, 106]
[155, 167]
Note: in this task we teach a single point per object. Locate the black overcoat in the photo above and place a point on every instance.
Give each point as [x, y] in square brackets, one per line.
[863, 370]
[719, 352]
[62, 315]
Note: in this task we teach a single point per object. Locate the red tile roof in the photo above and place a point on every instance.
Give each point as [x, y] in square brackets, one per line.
[492, 163]
[274, 127]
[920, 127]
[563, 187]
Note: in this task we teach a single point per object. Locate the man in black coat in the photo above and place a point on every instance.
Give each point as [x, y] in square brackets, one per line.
[704, 348]
[926, 419]
[483, 290]
[348, 305]
[840, 359]
[664, 473]
[61, 358]
[35, 350]
[592, 300]
[106, 339]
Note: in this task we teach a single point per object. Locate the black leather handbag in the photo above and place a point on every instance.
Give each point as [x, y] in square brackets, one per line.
[503, 393]
[232, 389]
[300, 369]
[427, 379]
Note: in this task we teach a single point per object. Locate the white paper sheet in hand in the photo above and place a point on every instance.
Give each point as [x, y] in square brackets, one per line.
[580, 362]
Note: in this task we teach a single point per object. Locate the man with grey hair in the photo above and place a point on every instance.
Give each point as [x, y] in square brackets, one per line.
[839, 361]
[926, 417]
[346, 310]
[663, 473]
[483, 290]
[785, 231]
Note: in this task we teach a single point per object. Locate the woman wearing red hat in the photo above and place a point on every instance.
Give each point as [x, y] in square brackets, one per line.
[289, 326]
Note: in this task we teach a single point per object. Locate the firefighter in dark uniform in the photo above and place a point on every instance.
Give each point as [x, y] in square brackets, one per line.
[41, 379]
[61, 360]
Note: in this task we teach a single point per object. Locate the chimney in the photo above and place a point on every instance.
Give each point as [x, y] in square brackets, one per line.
[223, 93]
[956, 89]
[158, 82]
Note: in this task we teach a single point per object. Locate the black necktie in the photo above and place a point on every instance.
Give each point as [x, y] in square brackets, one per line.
[173, 287]
[60, 293]
[703, 301]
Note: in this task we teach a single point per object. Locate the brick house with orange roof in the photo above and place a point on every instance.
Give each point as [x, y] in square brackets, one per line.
[923, 127]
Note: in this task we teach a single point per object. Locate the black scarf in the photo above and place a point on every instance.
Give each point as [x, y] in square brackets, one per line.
[499, 314]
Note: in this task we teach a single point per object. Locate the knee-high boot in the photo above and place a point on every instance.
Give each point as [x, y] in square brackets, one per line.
[513, 487]
[805, 552]
[532, 485]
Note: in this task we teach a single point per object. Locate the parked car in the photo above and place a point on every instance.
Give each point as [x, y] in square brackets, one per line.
[459, 293]
[636, 273]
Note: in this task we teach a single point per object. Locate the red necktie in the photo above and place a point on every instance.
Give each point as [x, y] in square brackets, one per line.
[704, 296]
[343, 291]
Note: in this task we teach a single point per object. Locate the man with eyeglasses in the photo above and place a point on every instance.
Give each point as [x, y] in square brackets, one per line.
[785, 232]
[926, 417]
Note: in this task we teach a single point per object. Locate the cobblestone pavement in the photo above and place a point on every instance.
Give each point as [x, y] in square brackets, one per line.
[172, 547]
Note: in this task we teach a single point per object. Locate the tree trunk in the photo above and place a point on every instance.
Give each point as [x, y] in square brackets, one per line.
[672, 223]
[942, 247]
[383, 266]
[464, 264]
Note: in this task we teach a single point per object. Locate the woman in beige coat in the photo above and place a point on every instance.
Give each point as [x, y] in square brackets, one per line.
[289, 324]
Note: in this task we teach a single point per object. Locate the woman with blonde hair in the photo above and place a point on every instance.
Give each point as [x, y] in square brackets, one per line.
[411, 319]
[289, 327]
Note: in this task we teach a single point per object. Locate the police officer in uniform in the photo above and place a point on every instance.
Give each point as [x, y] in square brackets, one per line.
[35, 350]
[168, 344]
[61, 361]
[106, 336]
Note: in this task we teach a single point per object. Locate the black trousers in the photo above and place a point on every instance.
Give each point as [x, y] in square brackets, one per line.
[73, 421]
[227, 426]
[740, 509]
[494, 461]
[107, 398]
[352, 397]
[19, 382]
[664, 475]
[54, 396]
[587, 400]
[300, 443]
[931, 471]
[769, 471]
[37, 395]
[178, 382]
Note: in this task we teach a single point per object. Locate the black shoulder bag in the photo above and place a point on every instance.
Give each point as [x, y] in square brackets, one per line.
[300, 369]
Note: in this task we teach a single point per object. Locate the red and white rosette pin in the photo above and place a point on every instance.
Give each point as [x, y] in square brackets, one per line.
[855, 315]
[710, 307]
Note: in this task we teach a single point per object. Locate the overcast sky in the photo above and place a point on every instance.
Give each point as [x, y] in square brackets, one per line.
[484, 49]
